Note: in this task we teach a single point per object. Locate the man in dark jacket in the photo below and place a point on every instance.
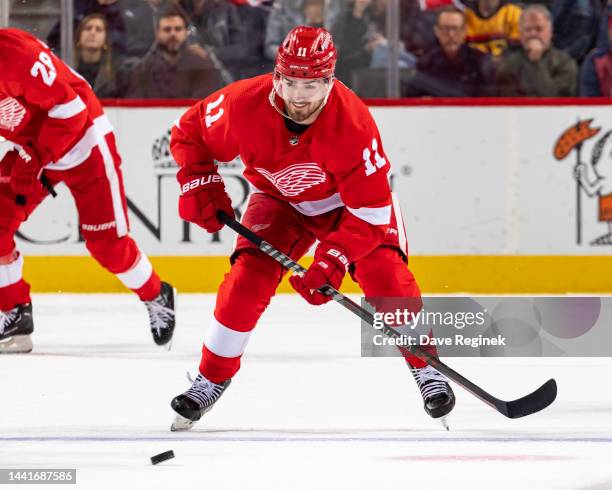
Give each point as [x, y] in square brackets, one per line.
[576, 24]
[173, 69]
[596, 70]
[452, 69]
[537, 69]
[219, 29]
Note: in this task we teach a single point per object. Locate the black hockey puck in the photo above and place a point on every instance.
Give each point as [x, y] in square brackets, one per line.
[158, 458]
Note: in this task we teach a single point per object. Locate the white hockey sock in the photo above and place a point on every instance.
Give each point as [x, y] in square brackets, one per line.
[11, 273]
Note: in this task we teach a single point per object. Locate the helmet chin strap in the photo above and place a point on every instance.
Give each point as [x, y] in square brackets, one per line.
[272, 99]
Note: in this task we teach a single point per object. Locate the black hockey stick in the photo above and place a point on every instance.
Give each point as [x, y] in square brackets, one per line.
[531, 403]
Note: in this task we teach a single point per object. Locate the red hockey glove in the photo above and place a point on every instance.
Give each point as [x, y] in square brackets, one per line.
[202, 196]
[329, 267]
[25, 172]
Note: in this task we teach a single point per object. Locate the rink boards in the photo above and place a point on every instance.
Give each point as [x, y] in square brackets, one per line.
[488, 194]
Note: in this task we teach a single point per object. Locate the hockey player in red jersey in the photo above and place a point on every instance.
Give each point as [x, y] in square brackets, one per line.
[58, 130]
[316, 163]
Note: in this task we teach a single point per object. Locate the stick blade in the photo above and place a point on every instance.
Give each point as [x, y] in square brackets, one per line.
[532, 403]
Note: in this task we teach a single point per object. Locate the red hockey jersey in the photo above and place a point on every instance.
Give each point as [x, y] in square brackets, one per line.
[338, 161]
[45, 105]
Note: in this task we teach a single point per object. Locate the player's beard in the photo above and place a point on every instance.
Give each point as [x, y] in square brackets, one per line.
[302, 114]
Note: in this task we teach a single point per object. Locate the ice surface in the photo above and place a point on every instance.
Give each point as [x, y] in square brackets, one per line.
[305, 412]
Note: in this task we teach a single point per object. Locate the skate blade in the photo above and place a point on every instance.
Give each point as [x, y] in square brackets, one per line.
[444, 421]
[167, 346]
[19, 344]
[181, 423]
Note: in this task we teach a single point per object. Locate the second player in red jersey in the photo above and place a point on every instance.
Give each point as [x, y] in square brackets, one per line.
[56, 125]
[315, 160]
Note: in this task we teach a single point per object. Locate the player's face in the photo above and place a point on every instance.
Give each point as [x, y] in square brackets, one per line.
[303, 96]
[93, 35]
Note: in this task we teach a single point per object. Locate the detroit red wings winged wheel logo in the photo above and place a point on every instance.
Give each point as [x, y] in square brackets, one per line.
[295, 179]
[11, 113]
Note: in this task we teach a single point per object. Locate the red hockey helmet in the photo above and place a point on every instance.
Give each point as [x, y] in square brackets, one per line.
[306, 52]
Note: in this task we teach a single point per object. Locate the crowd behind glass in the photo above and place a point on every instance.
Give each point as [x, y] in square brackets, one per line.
[480, 48]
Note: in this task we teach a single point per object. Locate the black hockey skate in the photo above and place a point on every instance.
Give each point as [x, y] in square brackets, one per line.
[16, 325]
[196, 401]
[438, 396]
[161, 315]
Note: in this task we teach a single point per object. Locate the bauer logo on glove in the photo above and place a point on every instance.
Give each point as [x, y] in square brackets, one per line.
[203, 196]
[339, 256]
[329, 267]
[195, 183]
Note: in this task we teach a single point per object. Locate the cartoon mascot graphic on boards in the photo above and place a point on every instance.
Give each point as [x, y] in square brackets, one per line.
[593, 177]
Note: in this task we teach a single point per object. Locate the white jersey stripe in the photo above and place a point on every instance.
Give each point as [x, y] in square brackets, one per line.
[311, 208]
[103, 125]
[82, 149]
[224, 341]
[374, 216]
[11, 273]
[68, 110]
[315, 208]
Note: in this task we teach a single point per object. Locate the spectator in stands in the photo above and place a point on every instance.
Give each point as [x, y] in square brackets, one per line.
[110, 9]
[538, 69]
[379, 45]
[596, 70]
[492, 26]
[360, 32]
[417, 20]
[173, 69]
[139, 18]
[286, 14]
[254, 17]
[93, 57]
[219, 29]
[359, 35]
[453, 69]
[354, 37]
[576, 24]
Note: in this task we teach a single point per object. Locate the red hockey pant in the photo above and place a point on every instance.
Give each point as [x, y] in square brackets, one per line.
[251, 283]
